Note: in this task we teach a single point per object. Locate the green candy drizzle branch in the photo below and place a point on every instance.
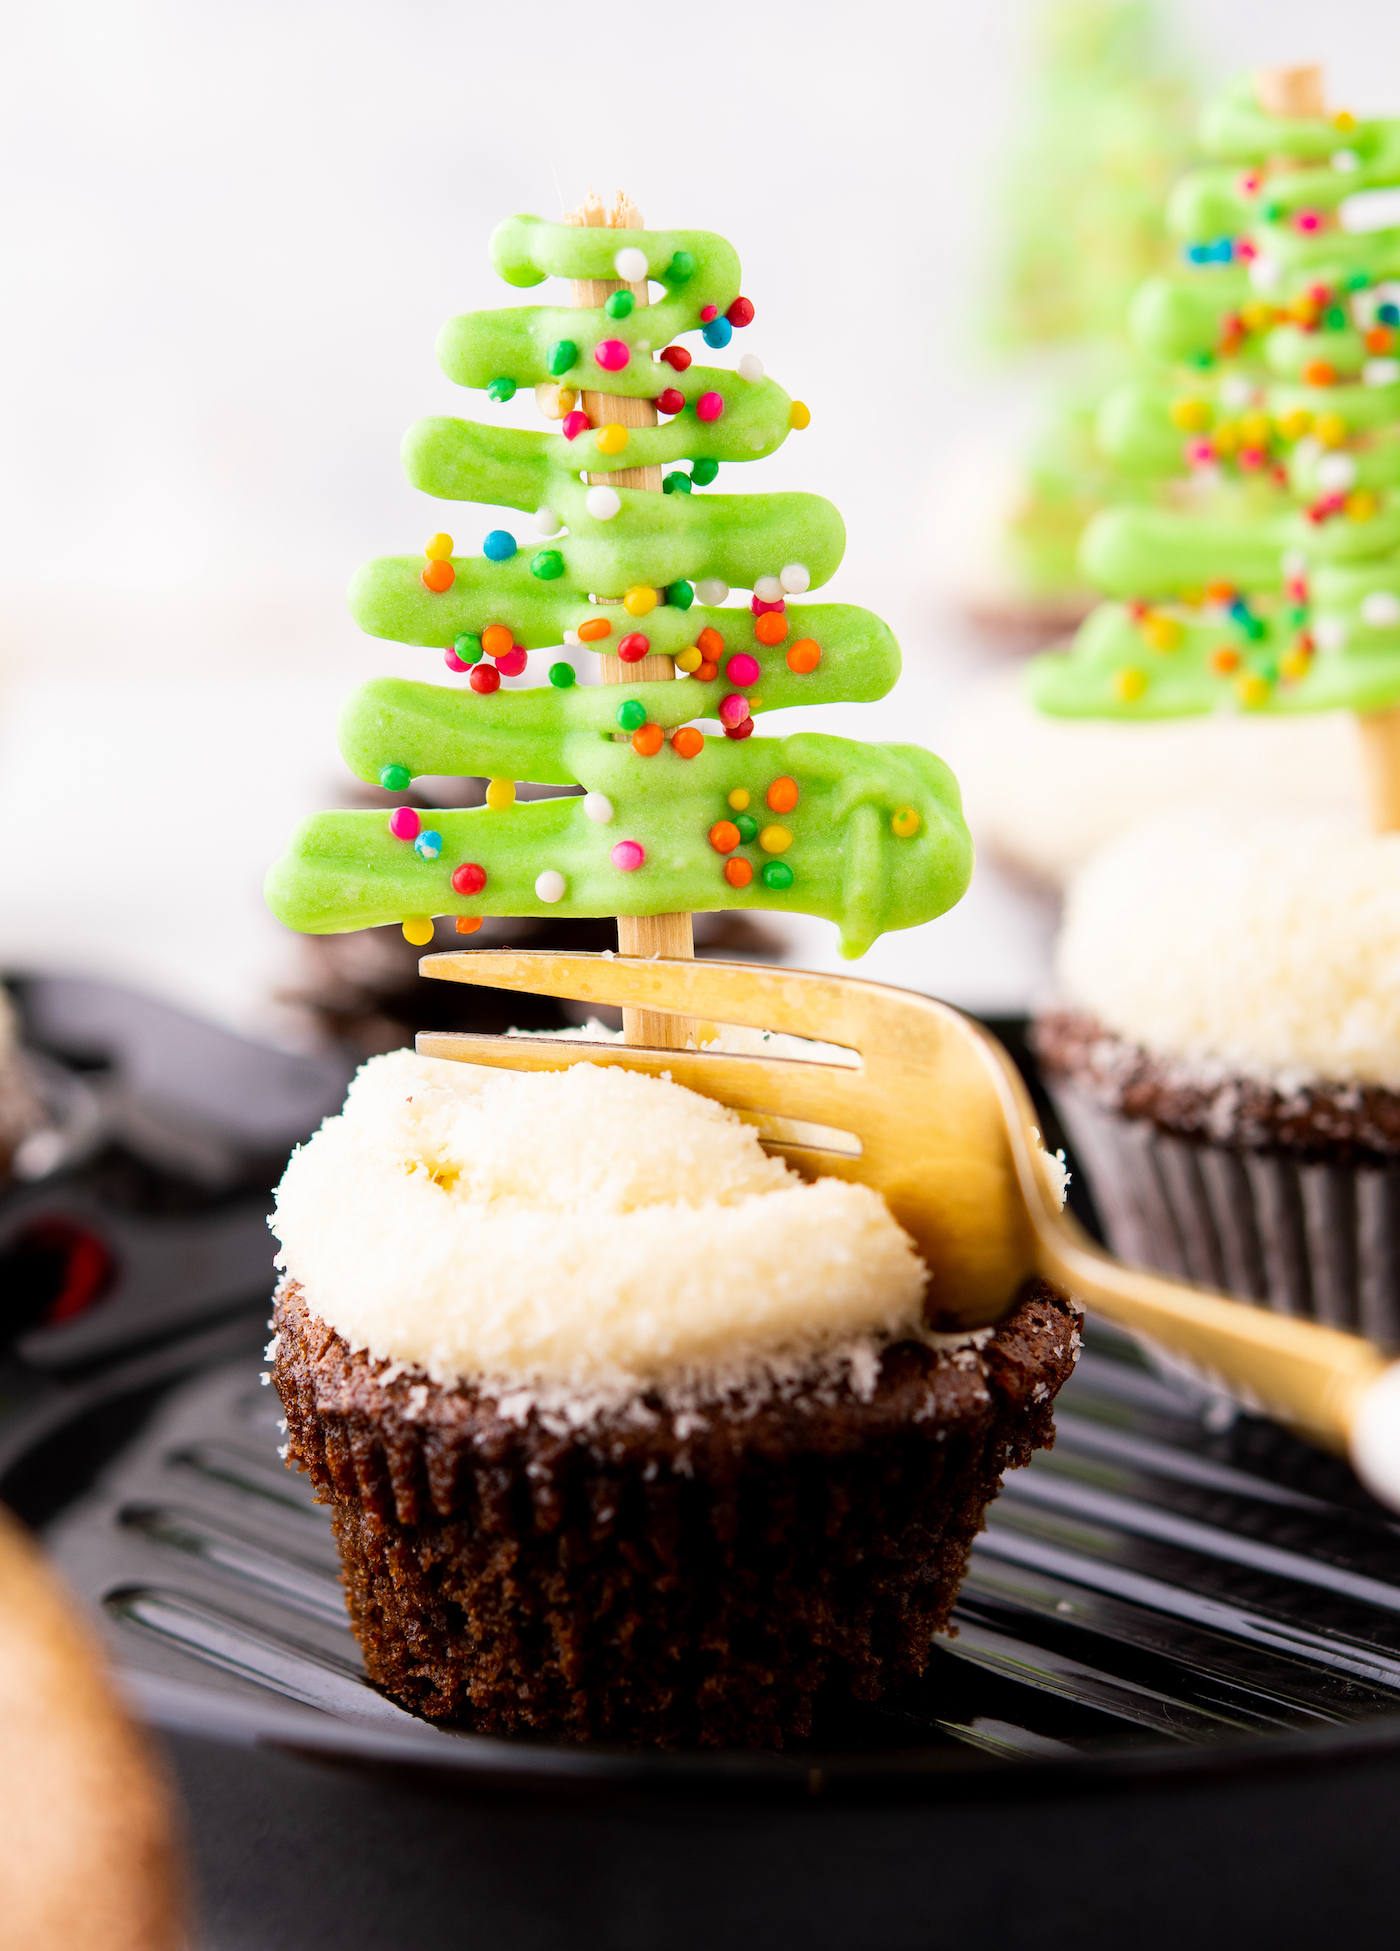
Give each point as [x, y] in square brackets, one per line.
[876, 838]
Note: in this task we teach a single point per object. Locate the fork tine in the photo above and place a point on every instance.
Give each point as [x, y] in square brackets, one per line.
[835, 1009]
[813, 1093]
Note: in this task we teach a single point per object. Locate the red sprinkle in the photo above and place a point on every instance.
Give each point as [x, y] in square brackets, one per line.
[708, 312]
[469, 878]
[742, 730]
[676, 357]
[404, 823]
[485, 678]
[671, 401]
[740, 312]
[760, 608]
[513, 663]
[574, 424]
[634, 647]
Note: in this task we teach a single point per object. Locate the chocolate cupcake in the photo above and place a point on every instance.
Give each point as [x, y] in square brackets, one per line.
[627, 1433]
[1226, 1058]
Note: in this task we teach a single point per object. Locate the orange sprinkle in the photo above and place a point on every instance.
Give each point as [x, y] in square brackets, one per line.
[771, 627]
[1224, 660]
[496, 640]
[1380, 338]
[687, 743]
[468, 924]
[804, 656]
[738, 873]
[782, 795]
[711, 642]
[438, 575]
[1318, 372]
[1220, 592]
[724, 836]
[590, 632]
[706, 672]
[648, 740]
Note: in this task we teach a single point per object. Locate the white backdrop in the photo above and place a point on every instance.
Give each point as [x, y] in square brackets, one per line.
[230, 234]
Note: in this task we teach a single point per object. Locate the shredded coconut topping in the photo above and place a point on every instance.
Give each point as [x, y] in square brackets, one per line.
[1269, 948]
[574, 1236]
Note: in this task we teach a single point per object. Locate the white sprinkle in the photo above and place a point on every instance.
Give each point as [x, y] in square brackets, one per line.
[796, 579]
[1295, 563]
[547, 522]
[630, 265]
[603, 503]
[1381, 609]
[1346, 160]
[1265, 273]
[768, 589]
[598, 807]
[711, 592]
[1381, 372]
[551, 885]
[571, 639]
[1235, 390]
[548, 401]
[1330, 633]
[751, 368]
[1335, 473]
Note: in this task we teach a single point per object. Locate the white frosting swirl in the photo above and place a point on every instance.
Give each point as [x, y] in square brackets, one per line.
[588, 1227]
[1266, 947]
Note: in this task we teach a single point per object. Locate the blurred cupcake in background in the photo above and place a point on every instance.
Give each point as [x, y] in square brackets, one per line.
[1225, 1055]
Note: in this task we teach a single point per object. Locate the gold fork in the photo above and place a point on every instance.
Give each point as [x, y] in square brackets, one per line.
[935, 1116]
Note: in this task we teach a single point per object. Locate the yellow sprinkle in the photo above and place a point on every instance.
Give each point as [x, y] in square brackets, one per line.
[1258, 316]
[439, 548]
[799, 415]
[1162, 632]
[689, 660]
[905, 822]
[1295, 665]
[1129, 683]
[500, 793]
[775, 839]
[739, 799]
[1330, 429]
[1361, 505]
[1252, 690]
[640, 601]
[554, 401]
[1191, 415]
[611, 440]
[1344, 119]
[1255, 429]
[1226, 438]
[1295, 424]
[418, 930]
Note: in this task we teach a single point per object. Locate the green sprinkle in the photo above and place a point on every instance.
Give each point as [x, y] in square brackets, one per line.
[395, 778]
[562, 354]
[1272, 212]
[681, 267]
[546, 564]
[561, 676]
[632, 715]
[702, 473]
[777, 875]
[1356, 281]
[619, 304]
[680, 596]
[748, 828]
[1335, 319]
[501, 389]
[468, 648]
[675, 484]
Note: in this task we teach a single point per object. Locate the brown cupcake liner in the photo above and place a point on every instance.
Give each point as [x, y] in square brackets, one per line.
[672, 1580]
[1315, 1238]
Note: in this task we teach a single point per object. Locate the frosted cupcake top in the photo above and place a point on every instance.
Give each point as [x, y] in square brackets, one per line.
[1267, 949]
[573, 1236]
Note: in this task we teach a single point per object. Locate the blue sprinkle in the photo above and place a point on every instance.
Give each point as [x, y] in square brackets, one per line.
[1196, 253]
[428, 844]
[1222, 250]
[499, 545]
[1388, 314]
[718, 333]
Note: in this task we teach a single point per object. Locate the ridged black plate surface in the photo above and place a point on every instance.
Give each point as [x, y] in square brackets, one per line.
[1167, 1589]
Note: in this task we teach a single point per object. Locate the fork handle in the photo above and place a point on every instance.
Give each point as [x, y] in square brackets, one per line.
[1315, 1378]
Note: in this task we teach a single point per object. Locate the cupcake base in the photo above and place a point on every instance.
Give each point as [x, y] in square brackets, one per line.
[663, 1577]
[1290, 1200]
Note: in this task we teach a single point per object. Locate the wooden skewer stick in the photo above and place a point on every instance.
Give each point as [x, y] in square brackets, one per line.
[667, 935]
[1289, 92]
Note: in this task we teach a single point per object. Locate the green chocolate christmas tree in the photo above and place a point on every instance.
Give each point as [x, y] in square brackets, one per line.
[1270, 579]
[868, 836]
